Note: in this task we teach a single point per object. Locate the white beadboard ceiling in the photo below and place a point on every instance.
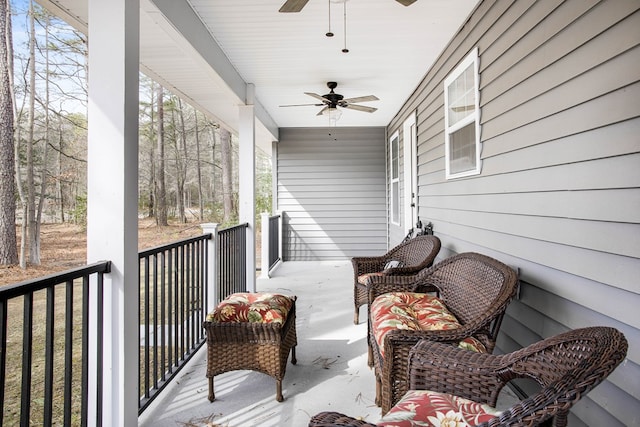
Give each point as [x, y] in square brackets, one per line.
[286, 54]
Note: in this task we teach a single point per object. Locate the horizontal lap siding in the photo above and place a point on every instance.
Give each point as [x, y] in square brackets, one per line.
[332, 191]
[559, 192]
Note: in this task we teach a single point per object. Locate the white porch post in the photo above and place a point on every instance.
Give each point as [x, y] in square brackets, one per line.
[247, 186]
[112, 218]
[212, 272]
[264, 226]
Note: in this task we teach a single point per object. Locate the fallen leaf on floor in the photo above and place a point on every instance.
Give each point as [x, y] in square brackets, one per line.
[202, 422]
[325, 362]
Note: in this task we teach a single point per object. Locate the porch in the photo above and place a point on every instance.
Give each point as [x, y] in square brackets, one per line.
[331, 373]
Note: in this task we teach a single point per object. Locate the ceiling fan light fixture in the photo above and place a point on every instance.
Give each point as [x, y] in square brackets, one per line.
[333, 113]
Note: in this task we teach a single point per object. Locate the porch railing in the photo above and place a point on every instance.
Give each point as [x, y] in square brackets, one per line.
[271, 253]
[44, 330]
[232, 260]
[44, 323]
[274, 240]
[173, 294]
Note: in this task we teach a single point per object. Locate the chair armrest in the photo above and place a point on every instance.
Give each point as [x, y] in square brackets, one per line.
[363, 265]
[448, 369]
[393, 367]
[335, 419]
[402, 271]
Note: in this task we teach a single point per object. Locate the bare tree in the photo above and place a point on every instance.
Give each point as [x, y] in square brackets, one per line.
[181, 160]
[227, 184]
[161, 192]
[30, 215]
[199, 169]
[8, 241]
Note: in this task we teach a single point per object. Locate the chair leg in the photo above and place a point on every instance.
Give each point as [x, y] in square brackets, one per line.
[212, 396]
[370, 356]
[356, 316]
[378, 391]
[293, 355]
[279, 397]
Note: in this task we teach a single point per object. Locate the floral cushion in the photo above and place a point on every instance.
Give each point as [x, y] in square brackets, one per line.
[252, 307]
[430, 408]
[415, 312]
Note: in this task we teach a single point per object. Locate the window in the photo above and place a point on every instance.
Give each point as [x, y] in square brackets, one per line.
[462, 119]
[394, 172]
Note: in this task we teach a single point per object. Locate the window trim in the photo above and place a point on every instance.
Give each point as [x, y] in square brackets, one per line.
[394, 214]
[471, 59]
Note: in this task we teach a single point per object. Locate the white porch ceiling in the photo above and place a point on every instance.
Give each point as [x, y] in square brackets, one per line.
[208, 54]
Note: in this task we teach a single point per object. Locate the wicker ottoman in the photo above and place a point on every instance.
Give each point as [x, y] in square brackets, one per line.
[252, 331]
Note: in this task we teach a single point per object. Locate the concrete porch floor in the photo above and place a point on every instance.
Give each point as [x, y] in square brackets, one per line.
[331, 373]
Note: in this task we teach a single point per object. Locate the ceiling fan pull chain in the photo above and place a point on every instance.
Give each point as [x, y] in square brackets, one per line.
[329, 33]
[345, 50]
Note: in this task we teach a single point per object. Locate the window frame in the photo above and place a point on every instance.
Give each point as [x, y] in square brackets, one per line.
[472, 59]
[394, 183]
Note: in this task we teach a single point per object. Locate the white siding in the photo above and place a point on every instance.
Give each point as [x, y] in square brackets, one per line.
[559, 192]
[331, 187]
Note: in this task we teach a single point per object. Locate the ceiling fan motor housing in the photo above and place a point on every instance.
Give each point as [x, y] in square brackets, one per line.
[333, 97]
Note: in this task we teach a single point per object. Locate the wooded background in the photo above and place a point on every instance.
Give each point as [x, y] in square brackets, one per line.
[188, 163]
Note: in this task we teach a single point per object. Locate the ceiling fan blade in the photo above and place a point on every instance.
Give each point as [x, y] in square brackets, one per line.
[301, 105]
[322, 111]
[360, 108]
[316, 96]
[406, 2]
[361, 99]
[293, 6]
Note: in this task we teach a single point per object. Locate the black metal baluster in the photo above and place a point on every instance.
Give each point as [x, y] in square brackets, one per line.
[3, 355]
[163, 302]
[49, 357]
[85, 351]
[68, 353]
[155, 321]
[27, 355]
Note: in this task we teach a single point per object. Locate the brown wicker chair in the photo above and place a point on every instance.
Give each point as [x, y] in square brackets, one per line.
[567, 366]
[262, 347]
[475, 288]
[415, 255]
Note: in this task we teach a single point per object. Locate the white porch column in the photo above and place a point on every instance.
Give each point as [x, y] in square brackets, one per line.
[212, 272]
[264, 226]
[112, 218]
[247, 186]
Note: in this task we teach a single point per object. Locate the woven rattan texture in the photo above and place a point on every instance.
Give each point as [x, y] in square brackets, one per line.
[335, 419]
[262, 347]
[474, 287]
[415, 254]
[567, 366]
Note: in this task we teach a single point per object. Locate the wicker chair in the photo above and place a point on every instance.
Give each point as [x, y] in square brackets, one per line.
[475, 288]
[567, 366]
[415, 255]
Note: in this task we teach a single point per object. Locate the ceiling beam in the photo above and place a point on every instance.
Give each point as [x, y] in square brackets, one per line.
[193, 36]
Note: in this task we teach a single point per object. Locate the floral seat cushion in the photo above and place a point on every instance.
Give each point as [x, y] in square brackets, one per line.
[252, 308]
[430, 408]
[414, 311]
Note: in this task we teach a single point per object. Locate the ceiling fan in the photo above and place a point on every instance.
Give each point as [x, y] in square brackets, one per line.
[297, 5]
[332, 100]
